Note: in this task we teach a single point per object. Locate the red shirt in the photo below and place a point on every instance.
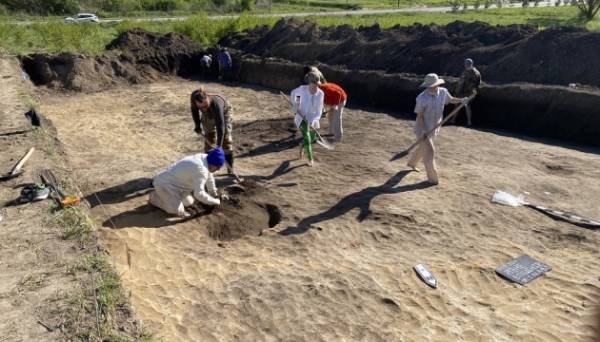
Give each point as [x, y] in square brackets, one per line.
[334, 94]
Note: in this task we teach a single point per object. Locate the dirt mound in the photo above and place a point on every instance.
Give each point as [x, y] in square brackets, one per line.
[82, 73]
[135, 56]
[515, 53]
[170, 53]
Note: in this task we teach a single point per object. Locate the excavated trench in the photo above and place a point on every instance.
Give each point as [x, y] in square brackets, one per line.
[547, 109]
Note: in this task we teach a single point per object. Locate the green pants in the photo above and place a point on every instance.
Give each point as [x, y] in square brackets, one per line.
[308, 138]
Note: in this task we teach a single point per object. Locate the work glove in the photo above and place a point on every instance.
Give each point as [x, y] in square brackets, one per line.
[199, 130]
[224, 197]
[464, 100]
[314, 124]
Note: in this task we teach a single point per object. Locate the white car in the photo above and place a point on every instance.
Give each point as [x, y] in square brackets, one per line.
[82, 18]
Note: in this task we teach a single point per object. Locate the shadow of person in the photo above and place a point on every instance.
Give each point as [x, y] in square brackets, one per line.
[281, 170]
[120, 193]
[147, 216]
[280, 145]
[361, 200]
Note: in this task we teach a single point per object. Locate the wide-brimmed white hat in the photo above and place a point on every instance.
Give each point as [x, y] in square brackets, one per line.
[432, 80]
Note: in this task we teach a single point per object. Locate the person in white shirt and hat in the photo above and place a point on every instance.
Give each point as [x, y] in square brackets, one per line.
[430, 111]
[188, 179]
[307, 104]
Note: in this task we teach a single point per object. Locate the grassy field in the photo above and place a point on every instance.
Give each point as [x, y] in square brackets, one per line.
[55, 36]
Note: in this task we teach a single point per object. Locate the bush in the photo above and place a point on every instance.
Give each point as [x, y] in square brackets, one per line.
[42, 7]
[247, 5]
[162, 5]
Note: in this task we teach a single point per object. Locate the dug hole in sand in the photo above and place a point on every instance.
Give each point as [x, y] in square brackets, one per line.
[338, 266]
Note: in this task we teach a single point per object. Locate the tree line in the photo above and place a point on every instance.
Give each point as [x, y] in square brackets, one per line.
[66, 7]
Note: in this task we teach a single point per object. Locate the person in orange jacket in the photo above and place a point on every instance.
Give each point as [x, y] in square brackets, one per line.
[334, 101]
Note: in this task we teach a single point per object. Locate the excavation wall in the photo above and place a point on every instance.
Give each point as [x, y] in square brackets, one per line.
[564, 113]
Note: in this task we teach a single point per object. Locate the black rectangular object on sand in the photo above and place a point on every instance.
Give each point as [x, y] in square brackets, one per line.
[523, 269]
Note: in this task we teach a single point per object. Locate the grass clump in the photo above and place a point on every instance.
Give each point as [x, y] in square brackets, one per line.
[75, 223]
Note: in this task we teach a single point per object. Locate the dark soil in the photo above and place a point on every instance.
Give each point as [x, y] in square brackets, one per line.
[243, 213]
[504, 54]
[135, 56]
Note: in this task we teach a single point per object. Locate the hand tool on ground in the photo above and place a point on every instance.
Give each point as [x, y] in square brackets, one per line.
[16, 170]
[424, 136]
[49, 179]
[505, 198]
[237, 178]
[320, 139]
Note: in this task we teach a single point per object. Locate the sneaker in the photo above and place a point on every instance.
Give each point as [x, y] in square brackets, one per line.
[41, 194]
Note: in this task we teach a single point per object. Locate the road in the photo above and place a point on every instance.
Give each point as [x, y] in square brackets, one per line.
[418, 9]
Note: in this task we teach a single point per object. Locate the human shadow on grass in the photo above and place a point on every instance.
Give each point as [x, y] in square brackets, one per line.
[147, 216]
[361, 200]
[121, 193]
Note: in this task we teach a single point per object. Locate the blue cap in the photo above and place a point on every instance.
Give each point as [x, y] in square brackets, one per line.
[216, 157]
[468, 61]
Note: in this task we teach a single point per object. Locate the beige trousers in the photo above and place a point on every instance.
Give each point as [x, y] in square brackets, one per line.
[335, 121]
[170, 199]
[426, 152]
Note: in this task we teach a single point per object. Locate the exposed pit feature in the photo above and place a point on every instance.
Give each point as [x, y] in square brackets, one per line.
[242, 214]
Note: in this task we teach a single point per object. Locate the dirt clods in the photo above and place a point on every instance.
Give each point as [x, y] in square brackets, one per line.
[504, 54]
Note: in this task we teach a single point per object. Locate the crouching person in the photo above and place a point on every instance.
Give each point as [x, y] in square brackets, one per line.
[188, 179]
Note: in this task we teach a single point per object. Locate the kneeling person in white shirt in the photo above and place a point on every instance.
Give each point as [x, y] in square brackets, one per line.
[188, 179]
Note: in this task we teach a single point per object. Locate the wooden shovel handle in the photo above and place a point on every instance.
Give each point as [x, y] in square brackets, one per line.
[448, 117]
[22, 161]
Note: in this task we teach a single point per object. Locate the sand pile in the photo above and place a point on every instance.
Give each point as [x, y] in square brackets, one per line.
[515, 53]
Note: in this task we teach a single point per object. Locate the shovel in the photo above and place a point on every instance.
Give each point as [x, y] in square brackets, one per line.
[448, 117]
[49, 179]
[505, 198]
[320, 139]
[16, 170]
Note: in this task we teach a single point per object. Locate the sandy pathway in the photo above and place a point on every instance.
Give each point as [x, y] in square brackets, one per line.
[357, 225]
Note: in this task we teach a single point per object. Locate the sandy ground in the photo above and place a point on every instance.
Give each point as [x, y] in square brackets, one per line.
[339, 265]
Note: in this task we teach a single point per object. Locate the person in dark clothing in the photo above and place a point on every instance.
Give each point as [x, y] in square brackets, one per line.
[212, 118]
[225, 62]
[469, 82]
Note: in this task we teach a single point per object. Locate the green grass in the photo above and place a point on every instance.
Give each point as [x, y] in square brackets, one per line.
[75, 223]
[57, 37]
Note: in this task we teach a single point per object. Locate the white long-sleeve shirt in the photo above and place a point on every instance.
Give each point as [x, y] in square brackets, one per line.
[310, 106]
[191, 174]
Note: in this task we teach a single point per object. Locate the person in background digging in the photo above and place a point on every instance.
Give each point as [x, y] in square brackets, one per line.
[335, 100]
[430, 111]
[469, 82]
[212, 116]
[205, 64]
[225, 62]
[307, 104]
[313, 69]
[188, 179]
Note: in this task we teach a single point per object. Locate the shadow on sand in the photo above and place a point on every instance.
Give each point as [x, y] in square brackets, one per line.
[361, 200]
